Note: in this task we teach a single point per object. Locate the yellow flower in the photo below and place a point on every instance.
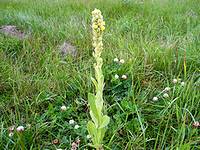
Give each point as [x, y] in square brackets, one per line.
[102, 28]
[94, 26]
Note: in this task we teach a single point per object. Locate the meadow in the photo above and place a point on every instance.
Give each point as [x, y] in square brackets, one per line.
[151, 73]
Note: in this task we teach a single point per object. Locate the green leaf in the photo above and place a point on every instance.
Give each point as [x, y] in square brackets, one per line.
[94, 119]
[105, 121]
[100, 135]
[99, 102]
[94, 82]
[91, 100]
[91, 128]
[103, 131]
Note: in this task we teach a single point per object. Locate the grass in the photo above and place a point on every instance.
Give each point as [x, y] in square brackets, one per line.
[155, 38]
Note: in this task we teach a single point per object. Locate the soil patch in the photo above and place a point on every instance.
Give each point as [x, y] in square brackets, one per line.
[13, 31]
[68, 49]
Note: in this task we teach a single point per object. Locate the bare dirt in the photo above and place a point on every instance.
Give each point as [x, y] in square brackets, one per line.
[68, 49]
[13, 31]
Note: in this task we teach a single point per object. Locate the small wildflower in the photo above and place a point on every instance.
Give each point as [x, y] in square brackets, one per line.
[155, 98]
[121, 61]
[12, 128]
[74, 146]
[63, 108]
[196, 124]
[76, 126]
[102, 28]
[71, 122]
[58, 149]
[94, 26]
[88, 136]
[116, 76]
[165, 95]
[116, 60]
[55, 141]
[20, 129]
[174, 81]
[124, 77]
[182, 83]
[167, 89]
[10, 134]
[78, 141]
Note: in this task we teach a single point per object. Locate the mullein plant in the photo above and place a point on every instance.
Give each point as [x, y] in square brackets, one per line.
[97, 126]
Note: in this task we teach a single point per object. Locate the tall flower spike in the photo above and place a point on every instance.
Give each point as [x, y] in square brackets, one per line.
[97, 127]
[98, 26]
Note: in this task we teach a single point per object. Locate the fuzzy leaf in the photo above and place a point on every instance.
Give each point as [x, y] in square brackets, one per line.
[103, 131]
[91, 100]
[105, 121]
[99, 102]
[100, 135]
[94, 119]
[91, 128]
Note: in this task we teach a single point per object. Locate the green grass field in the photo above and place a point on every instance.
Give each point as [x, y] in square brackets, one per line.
[159, 41]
